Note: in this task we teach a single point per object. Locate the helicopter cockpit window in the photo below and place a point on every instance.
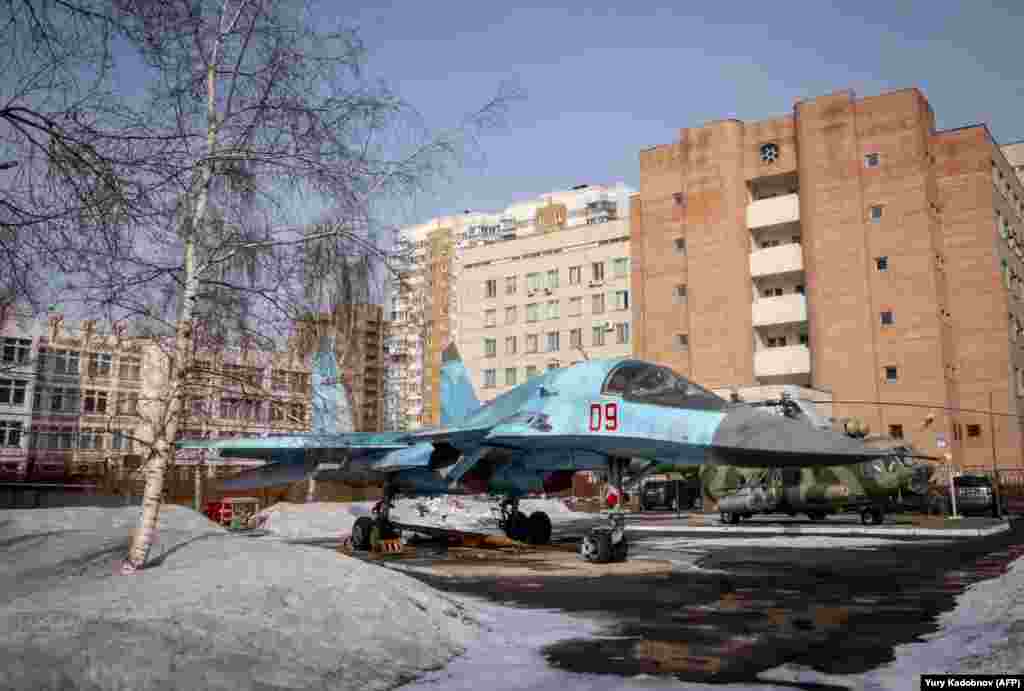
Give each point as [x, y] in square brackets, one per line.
[661, 386]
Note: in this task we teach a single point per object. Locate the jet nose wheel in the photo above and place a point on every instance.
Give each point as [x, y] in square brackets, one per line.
[598, 548]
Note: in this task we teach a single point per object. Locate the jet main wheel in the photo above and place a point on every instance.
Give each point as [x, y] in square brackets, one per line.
[517, 527]
[361, 533]
[621, 550]
[597, 548]
[872, 516]
[538, 528]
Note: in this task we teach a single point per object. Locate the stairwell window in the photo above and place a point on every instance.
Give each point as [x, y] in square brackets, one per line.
[490, 318]
[875, 213]
[891, 375]
[575, 272]
[680, 246]
[973, 431]
[597, 271]
[510, 345]
[873, 160]
[882, 263]
[896, 431]
[887, 318]
[491, 288]
[682, 341]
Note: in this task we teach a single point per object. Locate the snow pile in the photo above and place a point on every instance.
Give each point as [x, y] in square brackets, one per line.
[218, 611]
[311, 521]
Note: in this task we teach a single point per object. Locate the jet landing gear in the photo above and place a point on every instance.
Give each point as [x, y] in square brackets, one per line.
[378, 533]
[609, 543]
[533, 530]
[873, 515]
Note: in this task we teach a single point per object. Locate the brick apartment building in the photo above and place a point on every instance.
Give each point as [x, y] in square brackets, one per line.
[849, 247]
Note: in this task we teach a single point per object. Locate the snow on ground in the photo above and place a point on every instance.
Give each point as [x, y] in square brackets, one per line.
[790, 541]
[219, 611]
[335, 519]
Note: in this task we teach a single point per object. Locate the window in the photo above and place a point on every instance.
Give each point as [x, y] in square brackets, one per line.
[800, 290]
[875, 213]
[770, 243]
[510, 345]
[882, 263]
[87, 438]
[532, 312]
[679, 198]
[575, 307]
[680, 245]
[597, 303]
[597, 335]
[553, 309]
[620, 267]
[576, 338]
[896, 431]
[552, 279]
[16, 350]
[621, 299]
[95, 401]
[12, 391]
[491, 288]
[552, 341]
[510, 376]
[510, 315]
[575, 272]
[10, 433]
[127, 403]
[769, 153]
[873, 160]
[804, 340]
[597, 271]
[131, 368]
[64, 438]
[510, 285]
[66, 361]
[533, 282]
[679, 292]
[531, 371]
[117, 440]
[100, 364]
[887, 318]
[661, 386]
[490, 347]
[891, 375]
[683, 341]
[771, 292]
[973, 431]
[775, 342]
[531, 343]
[622, 332]
[490, 378]
[42, 360]
[490, 317]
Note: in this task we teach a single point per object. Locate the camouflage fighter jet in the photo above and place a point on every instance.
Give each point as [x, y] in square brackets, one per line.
[595, 415]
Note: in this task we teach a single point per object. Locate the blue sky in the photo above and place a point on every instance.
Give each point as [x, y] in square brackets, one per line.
[604, 82]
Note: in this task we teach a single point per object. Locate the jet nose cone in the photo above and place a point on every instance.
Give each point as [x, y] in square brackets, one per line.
[780, 440]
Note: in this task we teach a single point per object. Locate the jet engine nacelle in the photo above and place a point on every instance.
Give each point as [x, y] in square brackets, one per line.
[748, 500]
[515, 479]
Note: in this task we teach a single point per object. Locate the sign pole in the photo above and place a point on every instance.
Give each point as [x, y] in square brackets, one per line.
[998, 513]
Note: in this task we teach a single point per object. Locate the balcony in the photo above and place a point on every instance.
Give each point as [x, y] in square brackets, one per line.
[785, 309]
[773, 211]
[777, 260]
[782, 362]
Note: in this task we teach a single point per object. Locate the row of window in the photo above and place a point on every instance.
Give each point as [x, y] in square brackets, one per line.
[97, 439]
[90, 401]
[1003, 185]
[537, 311]
[550, 280]
[512, 374]
[99, 364]
[249, 409]
[552, 340]
[15, 351]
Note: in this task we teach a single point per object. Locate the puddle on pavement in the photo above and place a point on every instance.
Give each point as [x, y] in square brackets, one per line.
[837, 612]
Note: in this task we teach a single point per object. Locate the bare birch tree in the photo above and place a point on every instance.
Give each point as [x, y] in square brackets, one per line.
[192, 190]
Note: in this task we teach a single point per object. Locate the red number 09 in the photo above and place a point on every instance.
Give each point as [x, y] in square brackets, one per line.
[608, 414]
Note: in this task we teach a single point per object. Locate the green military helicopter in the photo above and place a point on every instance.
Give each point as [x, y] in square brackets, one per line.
[867, 487]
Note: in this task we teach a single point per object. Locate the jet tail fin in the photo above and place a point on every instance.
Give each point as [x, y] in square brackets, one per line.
[458, 400]
[332, 403]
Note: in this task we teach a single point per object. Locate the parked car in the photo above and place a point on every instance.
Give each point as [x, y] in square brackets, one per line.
[663, 494]
[974, 495]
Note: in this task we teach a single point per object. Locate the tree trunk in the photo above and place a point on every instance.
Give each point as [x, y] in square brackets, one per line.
[311, 488]
[174, 393]
[199, 488]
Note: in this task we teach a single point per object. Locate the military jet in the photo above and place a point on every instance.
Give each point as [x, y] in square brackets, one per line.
[595, 415]
[865, 487]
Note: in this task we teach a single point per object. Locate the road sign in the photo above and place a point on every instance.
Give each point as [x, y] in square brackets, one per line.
[940, 440]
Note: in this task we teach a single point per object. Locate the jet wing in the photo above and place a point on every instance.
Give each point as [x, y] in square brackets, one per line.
[287, 447]
[458, 437]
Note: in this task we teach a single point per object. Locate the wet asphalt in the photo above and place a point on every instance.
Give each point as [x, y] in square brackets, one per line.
[736, 611]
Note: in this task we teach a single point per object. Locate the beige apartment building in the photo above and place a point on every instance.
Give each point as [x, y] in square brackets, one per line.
[849, 247]
[544, 301]
[427, 306]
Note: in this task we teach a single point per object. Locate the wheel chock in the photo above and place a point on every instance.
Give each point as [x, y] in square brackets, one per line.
[391, 546]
